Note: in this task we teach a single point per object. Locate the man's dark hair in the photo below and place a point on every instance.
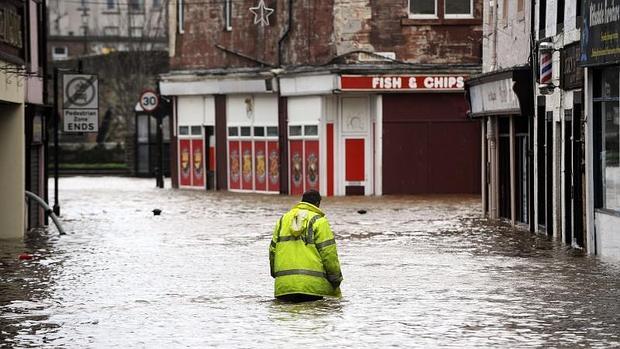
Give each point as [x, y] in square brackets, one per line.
[312, 197]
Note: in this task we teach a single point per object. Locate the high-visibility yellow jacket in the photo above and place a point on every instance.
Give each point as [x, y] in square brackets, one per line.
[302, 254]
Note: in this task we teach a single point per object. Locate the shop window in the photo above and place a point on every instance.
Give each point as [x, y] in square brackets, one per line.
[294, 131]
[184, 130]
[458, 8]
[423, 8]
[607, 130]
[196, 130]
[311, 130]
[246, 131]
[233, 132]
[272, 131]
[259, 132]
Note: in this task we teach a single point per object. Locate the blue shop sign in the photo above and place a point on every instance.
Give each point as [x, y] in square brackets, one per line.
[600, 33]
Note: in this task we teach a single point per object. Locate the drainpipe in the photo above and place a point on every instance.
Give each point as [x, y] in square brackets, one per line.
[282, 108]
[493, 3]
[286, 32]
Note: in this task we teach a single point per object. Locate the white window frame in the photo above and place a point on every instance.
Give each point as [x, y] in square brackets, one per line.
[228, 15]
[422, 16]
[460, 15]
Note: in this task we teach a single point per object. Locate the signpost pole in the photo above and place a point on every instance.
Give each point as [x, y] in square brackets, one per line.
[160, 144]
[56, 148]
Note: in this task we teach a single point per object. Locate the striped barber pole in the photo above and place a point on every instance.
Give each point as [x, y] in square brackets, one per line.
[545, 68]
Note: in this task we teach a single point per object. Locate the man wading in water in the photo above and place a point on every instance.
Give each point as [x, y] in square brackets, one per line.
[302, 255]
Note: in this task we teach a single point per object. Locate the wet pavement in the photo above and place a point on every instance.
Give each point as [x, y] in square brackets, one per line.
[419, 272]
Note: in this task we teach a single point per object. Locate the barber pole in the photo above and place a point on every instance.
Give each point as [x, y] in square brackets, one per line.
[546, 70]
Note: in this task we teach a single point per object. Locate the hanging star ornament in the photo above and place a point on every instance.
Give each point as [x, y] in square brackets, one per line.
[261, 13]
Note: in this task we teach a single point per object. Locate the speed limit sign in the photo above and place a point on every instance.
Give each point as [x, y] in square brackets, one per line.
[149, 100]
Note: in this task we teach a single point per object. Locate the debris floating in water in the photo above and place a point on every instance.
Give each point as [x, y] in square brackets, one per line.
[156, 212]
[361, 211]
[25, 256]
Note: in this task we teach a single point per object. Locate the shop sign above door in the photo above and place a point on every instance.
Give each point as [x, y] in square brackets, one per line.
[402, 83]
[494, 98]
[600, 33]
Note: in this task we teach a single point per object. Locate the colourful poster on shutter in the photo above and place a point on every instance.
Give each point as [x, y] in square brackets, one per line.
[246, 165]
[296, 170]
[273, 174]
[312, 165]
[234, 160]
[198, 163]
[185, 164]
[260, 166]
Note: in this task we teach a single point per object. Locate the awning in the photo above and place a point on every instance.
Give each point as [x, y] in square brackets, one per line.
[506, 92]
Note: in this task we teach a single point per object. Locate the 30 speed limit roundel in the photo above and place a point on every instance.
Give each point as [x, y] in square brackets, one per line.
[149, 100]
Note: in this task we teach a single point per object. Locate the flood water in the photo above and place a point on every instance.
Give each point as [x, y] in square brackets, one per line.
[419, 272]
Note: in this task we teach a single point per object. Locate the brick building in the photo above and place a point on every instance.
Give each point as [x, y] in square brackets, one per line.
[344, 96]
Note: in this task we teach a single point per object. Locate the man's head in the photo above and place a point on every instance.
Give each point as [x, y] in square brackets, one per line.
[312, 197]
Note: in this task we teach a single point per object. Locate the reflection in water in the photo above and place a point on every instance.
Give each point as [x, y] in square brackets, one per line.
[419, 272]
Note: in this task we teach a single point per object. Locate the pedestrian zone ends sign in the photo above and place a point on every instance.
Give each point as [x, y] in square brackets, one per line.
[80, 103]
[81, 120]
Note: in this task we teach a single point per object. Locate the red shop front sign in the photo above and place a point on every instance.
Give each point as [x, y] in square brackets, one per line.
[402, 83]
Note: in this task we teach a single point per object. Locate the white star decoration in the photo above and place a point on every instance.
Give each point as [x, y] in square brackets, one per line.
[261, 13]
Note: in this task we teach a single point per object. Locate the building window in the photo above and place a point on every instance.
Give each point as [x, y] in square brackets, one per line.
[542, 18]
[294, 131]
[505, 10]
[110, 31]
[156, 3]
[606, 104]
[136, 5]
[59, 53]
[423, 8]
[111, 5]
[459, 8]
[180, 16]
[196, 130]
[560, 15]
[228, 14]
[520, 5]
[136, 32]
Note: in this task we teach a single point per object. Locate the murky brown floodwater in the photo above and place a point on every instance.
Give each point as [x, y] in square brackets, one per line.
[419, 272]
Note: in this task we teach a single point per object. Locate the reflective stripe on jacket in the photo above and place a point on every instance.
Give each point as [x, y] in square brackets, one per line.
[302, 255]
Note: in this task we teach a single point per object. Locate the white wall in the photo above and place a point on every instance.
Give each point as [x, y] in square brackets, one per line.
[249, 110]
[511, 46]
[12, 175]
[304, 110]
[607, 235]
[192, 111]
